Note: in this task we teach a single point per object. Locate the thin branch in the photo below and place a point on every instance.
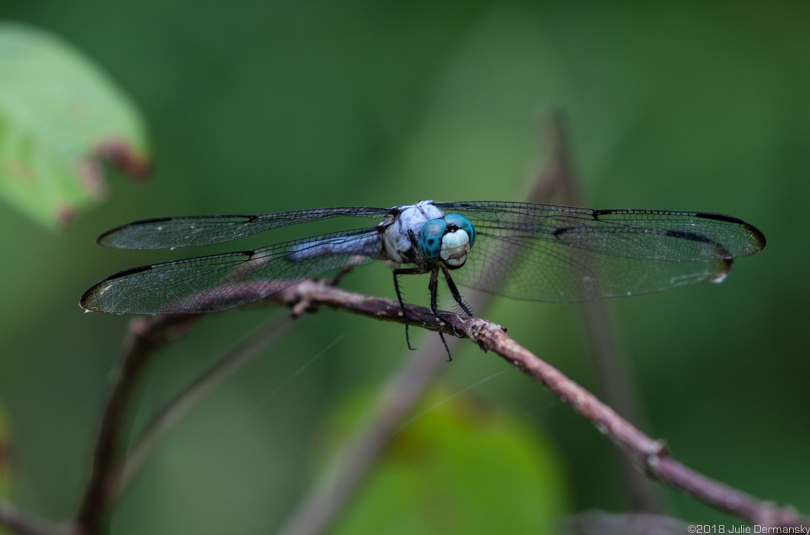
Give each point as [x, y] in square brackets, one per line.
[168, 416]
[119, 478]
[650, 455]
[107, 480]
[612, 370]
[145, 336]
[394, 403]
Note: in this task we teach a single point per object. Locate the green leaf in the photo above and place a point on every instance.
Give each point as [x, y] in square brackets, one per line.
[462, 467]
[61, 119]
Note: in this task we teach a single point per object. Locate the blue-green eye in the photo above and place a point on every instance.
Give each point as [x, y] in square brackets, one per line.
[430, 238]
[463, 223]
[447, 239]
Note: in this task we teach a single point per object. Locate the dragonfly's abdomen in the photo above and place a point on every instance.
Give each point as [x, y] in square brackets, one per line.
[368, 246]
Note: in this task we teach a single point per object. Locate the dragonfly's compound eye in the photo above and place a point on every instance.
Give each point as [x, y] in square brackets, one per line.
[457, 241]
[449, 239]
[430, 238]
[462, 223]
[455, 246]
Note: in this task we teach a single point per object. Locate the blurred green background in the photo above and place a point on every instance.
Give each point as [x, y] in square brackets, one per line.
[258, 107]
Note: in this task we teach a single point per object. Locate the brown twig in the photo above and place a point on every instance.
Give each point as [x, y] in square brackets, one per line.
[394, 403]
[649, 454]
[171, 413]
[107, 479]
[612, 371]
[145, 336]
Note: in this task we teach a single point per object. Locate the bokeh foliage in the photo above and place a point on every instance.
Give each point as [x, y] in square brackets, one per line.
[61, 119]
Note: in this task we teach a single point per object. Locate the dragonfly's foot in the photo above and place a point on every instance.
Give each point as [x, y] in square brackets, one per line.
[408, 337]
[451, 324]
[449, 356]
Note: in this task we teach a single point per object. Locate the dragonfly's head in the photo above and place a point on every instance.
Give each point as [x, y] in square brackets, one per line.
[449, 239]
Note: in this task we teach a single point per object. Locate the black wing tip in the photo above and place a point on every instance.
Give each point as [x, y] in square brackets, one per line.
[720, 217]
[755, 233]
[104, 238]
[86, 301]
[125, 272]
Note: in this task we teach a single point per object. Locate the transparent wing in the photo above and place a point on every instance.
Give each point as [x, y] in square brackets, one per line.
[172, 232]
[222, 281]
[565, 254]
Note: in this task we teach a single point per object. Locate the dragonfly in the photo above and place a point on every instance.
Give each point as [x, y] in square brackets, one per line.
[522, 250]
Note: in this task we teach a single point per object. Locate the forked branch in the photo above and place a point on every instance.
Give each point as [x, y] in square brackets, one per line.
[649, 454]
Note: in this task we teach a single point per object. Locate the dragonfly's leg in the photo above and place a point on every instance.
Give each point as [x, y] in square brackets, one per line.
[457, 296]
[434, 306]
[449, 356]
[454, 291]
[434, 291]
[397, 273]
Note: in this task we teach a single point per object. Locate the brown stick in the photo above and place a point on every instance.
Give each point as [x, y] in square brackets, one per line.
[648, 454]
[145, 336]
[612, 370]
[394, 403]
[168, 415]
